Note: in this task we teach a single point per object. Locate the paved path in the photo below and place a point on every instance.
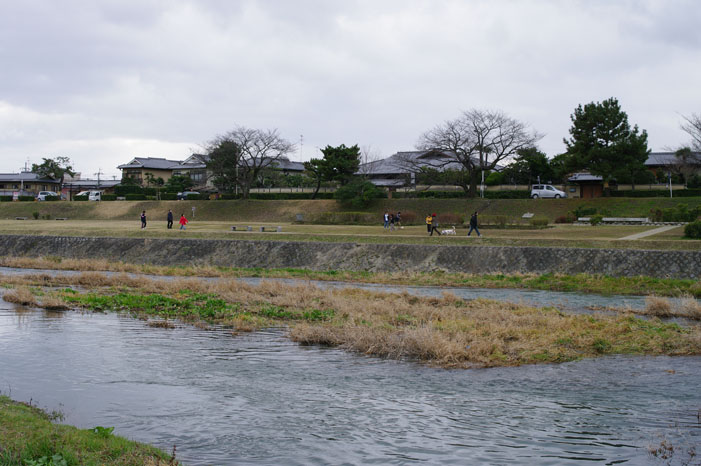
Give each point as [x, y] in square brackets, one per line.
[654, 231]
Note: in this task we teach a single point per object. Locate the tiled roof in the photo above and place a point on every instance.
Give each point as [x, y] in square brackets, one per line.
[584, 176]
[26, 177]
[403, 162]
[155, 163]
[656, 159]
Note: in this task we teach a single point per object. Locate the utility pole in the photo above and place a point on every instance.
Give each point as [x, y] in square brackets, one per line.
[301, 144]
[99, 172]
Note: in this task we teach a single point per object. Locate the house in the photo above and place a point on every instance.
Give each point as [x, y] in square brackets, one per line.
[74, 186]
[588, 185]
[668, 162]
[195, 167]
[401, 168]
[26, 184]
[140, 166]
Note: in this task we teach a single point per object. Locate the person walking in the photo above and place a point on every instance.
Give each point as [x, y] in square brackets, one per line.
[170, 219]
[398, 219]
[391, 222]
[183, 222]
[434, 225]
[473, 225]
[386, 220]
[429, 221]
[143, 219]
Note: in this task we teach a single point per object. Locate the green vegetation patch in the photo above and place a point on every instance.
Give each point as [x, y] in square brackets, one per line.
[29, 437]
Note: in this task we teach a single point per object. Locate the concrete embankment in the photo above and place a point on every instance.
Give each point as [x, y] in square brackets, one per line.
[352, 256]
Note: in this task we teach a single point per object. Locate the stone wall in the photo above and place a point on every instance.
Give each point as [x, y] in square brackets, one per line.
[352, 256]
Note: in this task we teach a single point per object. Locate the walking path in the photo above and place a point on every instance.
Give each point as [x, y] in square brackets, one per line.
[650, 232]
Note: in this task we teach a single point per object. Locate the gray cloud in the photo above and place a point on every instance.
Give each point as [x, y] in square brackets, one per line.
[127, 78]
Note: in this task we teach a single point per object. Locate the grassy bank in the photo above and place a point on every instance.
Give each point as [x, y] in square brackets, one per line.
[582, 283]
[285, 211]
[446, 331]
[554, 236]
[29, 437]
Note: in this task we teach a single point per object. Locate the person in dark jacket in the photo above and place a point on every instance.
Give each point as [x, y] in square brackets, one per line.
[170, 219]
[434, 225]
[473, 225]
[143, 219]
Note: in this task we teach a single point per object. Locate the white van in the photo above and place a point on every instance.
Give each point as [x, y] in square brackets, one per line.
[546, 190]
[92, 195]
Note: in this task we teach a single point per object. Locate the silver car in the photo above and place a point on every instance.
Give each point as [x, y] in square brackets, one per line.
[546, 190]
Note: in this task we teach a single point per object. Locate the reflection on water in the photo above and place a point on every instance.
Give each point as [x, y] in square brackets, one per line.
[260, 399]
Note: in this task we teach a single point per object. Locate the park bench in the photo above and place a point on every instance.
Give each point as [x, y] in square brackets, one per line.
[242, 228]
[20, 218]
[274, 229]
[61, 218]
[625, 220]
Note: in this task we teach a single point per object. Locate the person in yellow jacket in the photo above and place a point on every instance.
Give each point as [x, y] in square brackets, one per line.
[429, 223]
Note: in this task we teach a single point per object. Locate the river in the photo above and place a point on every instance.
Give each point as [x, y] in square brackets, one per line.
[258, 398]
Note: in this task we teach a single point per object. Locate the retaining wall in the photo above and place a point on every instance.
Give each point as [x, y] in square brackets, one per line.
[352, 256]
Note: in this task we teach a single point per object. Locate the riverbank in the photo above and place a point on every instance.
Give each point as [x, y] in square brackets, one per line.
[581, 283]
[321, 256]
[28, 436]
[447, 332]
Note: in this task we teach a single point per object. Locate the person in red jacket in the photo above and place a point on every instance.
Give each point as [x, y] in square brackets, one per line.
[183, 221]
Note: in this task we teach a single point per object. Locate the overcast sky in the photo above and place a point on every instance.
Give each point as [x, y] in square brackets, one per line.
[104, 81]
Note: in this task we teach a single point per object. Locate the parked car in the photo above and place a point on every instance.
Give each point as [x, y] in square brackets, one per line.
[92, 195]
[546, 190]
[184, 194]
[44, 194]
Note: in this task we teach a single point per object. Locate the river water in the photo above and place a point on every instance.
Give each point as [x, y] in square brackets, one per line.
[260, 399]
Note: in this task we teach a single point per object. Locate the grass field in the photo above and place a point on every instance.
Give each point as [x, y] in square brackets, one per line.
[285, 211]
[559, 235]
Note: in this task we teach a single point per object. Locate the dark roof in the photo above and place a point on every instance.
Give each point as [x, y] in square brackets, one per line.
[657, 159]
[406, 161]
[91, 183]
[26, 177]
[283, 163]
[155, 163]
[584, 177]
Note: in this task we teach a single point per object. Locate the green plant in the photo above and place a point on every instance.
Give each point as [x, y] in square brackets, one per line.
[25, 198]
[596, 219]
[55, 460]
[539, 222]
[358, 194]
[103, 432]
[693, 230]
[35, 215]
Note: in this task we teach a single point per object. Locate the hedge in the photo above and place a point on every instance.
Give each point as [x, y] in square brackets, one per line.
[5, 198]
[109, 197]
[512, 194]
[52, 198]
[658, 193]
[693, 230]
[135, 197]
[26, 198]
[80, 198]
[169, 196]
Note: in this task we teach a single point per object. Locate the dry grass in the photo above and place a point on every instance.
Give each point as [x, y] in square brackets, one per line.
[657, 306]
[444, 331]
[20, 295]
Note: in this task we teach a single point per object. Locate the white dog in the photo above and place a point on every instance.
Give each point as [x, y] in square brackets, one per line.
[450, 231]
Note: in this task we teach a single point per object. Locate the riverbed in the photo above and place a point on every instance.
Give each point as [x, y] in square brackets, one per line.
[261, 399]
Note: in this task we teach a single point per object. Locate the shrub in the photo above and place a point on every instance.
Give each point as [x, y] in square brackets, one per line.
[693, 230]
[409, 218]
[150, 198]
[80, 198]
[358, 194]
[5, 198]
[596, 219]
[52, 198]
[539, 222]
[122, 190]
[35, 215]
[657, 193]
[26, 198]
[109, 197]
[569, 218]
[168, 196]
[135, 197]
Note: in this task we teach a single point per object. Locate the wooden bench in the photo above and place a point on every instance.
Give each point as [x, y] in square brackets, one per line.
[61, 218]
[243, 228]
[20, 218]
[628, 220]
[273, 229]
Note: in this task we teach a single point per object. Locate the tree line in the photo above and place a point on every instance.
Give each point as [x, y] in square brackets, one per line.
[476, 144]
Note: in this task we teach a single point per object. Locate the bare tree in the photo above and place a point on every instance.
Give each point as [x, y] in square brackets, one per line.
[368, 156]
[476, 141]
[692, 126]
[255, 150]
